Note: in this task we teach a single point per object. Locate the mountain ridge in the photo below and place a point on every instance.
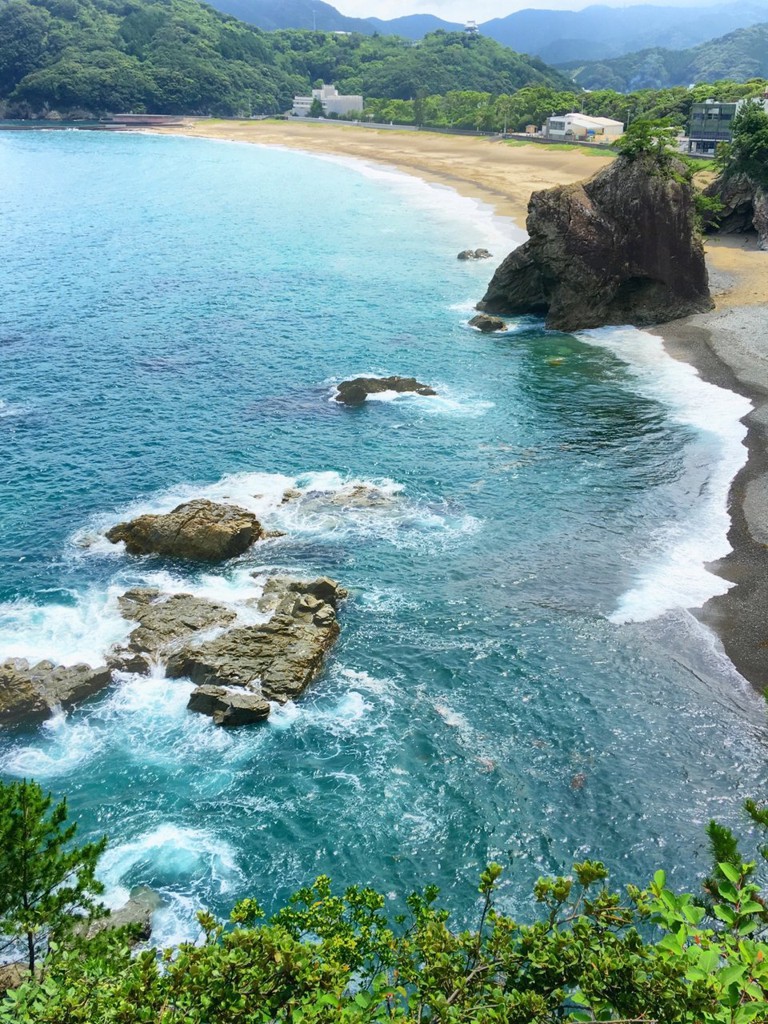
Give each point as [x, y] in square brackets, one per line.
[740, 55]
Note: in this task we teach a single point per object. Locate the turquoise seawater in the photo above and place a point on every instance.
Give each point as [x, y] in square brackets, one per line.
[518, 677]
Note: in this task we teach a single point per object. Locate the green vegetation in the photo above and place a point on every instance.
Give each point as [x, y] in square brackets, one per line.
[646, 137]
[534, 104]
[180, 56]
[740, 56]
[44, 881]
[747, 153]
[592, 954]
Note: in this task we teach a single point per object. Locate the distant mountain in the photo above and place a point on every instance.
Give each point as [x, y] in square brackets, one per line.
[594, 33]
[740, 56]
[309, 14]
[413, 26]
[598, 32]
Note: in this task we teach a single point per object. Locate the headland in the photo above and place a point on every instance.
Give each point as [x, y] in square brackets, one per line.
[728, 346]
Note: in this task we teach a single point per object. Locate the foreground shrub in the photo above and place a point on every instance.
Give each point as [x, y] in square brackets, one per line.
[593, 955]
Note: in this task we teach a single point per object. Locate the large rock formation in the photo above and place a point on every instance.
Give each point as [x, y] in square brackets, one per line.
[32, 693]
[199, 530]
[620, 248]
[241, 670]
[355, 392]
[744, 207]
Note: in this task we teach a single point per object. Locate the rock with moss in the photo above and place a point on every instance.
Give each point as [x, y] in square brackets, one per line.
[199, 530]
[620, 248]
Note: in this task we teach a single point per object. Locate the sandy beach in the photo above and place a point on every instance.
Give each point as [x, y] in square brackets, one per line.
[728, 346]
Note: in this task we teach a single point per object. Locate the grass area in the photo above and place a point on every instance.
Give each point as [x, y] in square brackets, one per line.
[565, 147]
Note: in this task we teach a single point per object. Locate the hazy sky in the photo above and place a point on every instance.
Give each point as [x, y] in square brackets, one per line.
[477, 10]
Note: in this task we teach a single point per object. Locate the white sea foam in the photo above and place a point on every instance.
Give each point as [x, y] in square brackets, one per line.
[177, 853]
[67, 749]
[9, 410]
[678, 577]
[66, 634]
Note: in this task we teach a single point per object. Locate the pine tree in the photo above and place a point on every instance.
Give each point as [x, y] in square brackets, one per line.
[47, 885]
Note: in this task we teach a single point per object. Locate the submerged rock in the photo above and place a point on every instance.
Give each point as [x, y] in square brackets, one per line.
[355, 392]
[199, 530]
[620, 248]
[744, 207]
[241, 670]
[486, 323]
[165, 621]
[32, 693]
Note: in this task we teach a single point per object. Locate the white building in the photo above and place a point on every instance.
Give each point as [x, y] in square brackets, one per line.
[567, 127]
[332, 101]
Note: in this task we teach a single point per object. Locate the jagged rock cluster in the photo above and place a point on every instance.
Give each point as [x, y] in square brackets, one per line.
[620, 248]
[267, 650]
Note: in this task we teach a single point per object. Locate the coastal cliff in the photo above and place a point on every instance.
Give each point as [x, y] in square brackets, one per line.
[619, 248]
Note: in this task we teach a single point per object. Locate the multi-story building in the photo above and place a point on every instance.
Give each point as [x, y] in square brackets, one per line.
[712, 122]
[331, 100]
[568, 127]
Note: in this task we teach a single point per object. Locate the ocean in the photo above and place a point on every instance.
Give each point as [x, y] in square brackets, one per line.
[519, 676]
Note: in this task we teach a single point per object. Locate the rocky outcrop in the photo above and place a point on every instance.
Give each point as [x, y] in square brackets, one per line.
[32, 693]
[620, 248]
[744, 207]
[487, 324]
[474, 254]
[165, 622]
[355, 392]
[199, 530]
[241, 670]
[136, 914]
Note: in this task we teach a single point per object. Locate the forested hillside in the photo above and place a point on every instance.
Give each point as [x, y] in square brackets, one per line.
[740, 56]
[180, 56]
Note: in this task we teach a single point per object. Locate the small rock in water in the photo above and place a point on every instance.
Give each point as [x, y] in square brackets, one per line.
[578, 780]
[229, 706]
[355, 392]
[485, 323]
[199, 530]
[474, 254]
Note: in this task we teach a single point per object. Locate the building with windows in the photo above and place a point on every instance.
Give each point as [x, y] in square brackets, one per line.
[331, 100]
[578, 127]
[711, 123]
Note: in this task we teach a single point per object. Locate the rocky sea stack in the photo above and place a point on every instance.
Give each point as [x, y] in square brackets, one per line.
[619, 248]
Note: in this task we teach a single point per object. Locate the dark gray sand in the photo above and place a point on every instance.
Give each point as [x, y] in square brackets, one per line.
[729, 347]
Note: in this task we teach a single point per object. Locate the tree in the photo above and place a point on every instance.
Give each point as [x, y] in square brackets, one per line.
[646, 137]
[47, 885]
[748, 152]
[317, 109]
